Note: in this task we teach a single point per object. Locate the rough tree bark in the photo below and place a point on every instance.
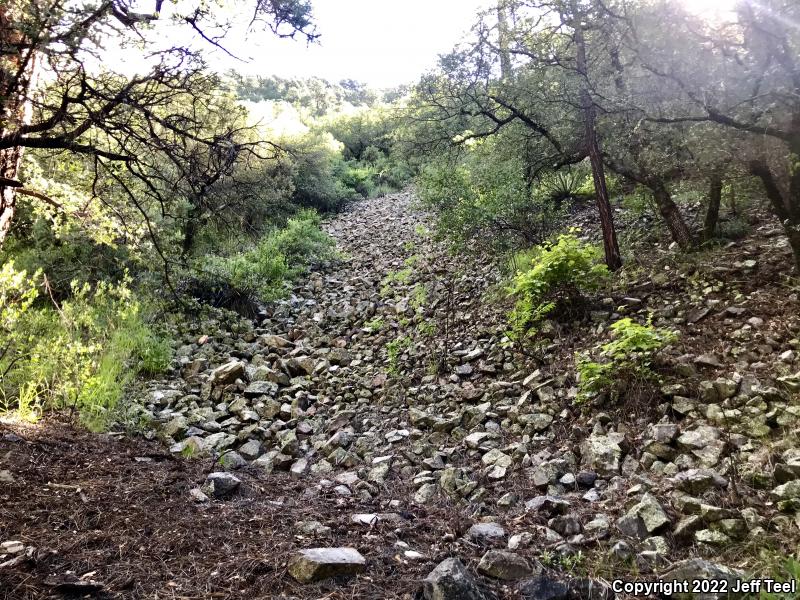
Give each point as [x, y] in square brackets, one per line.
[610, 244]
[786, 207]
[502, 34]
[17, 79]
[671, 214]
[712, 212]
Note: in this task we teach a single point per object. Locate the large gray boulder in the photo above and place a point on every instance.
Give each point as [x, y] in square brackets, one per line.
[222, 484]
[698, 569]
[651, 513]
[603, 453]
[486, 533]
[450, 580]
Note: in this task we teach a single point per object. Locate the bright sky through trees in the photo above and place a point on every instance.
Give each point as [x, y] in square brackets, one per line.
[711, 9]
[380, 42]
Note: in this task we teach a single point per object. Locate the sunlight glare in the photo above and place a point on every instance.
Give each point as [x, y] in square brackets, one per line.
[715, 10]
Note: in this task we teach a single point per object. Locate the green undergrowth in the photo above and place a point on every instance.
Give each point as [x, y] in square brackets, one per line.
[77, 354]
[261, 271]
[787, 569]
[553, 278]
[394, 349]
[624, 364]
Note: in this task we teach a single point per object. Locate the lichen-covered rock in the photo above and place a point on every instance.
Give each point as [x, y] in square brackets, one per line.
[651, 513]
[695, 569]
[696, 481]
[502, 564]
[486, 533]
[603, 453]
[450, 580]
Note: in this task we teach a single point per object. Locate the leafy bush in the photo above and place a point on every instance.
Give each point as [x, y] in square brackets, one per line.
[394, 349]
[789, 571]
[374, 325]
[486, 200]
[79, 354]
[239, 281]
[360, 178]
[734, 228]
[67, 257]
[302, 241]
[554, 275]
[318, 172]
[382, 190]
[639, 202]
[367, 136]
[625, 363]
[401, 277]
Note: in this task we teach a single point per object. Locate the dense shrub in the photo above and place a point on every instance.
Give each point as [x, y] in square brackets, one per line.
[80, 353]
[360, 178]
[318, 171]
[368, 139]
[553, 275]
[486, 200]
[302, 241]
[623, 365]
[243, 279]
[67, 258]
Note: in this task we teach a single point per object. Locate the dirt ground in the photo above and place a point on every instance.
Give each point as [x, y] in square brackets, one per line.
[116, 511]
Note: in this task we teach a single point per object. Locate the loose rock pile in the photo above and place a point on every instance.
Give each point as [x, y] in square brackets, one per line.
[390, 371]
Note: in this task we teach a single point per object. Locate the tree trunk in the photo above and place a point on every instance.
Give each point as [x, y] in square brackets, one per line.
[712, 212]
[502, 35]
[787, 209]
[17, 79]
[793, 233]
[610, 245]
[190, 228]
[9, 167]
[672, 216]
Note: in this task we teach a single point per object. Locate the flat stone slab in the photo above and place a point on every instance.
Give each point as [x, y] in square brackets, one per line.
[315, 564]
[228, 373]
[502, 564]
[486, 532]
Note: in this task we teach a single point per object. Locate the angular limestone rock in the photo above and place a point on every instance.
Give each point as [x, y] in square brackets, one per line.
[502, 564]
[450, 580]
[315, 564]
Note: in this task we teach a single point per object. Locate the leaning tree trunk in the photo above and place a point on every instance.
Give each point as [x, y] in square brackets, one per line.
[785, 206]
[17, 79]
[610, 245]
[712, 212]
[672, 216]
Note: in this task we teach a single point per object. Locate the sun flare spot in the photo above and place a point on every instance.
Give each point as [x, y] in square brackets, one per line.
[711, 9]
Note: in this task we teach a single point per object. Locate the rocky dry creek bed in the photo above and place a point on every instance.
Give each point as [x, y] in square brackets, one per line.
[373, 436]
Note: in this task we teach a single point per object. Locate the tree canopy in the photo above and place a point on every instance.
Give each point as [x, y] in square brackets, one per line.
[139, 123]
